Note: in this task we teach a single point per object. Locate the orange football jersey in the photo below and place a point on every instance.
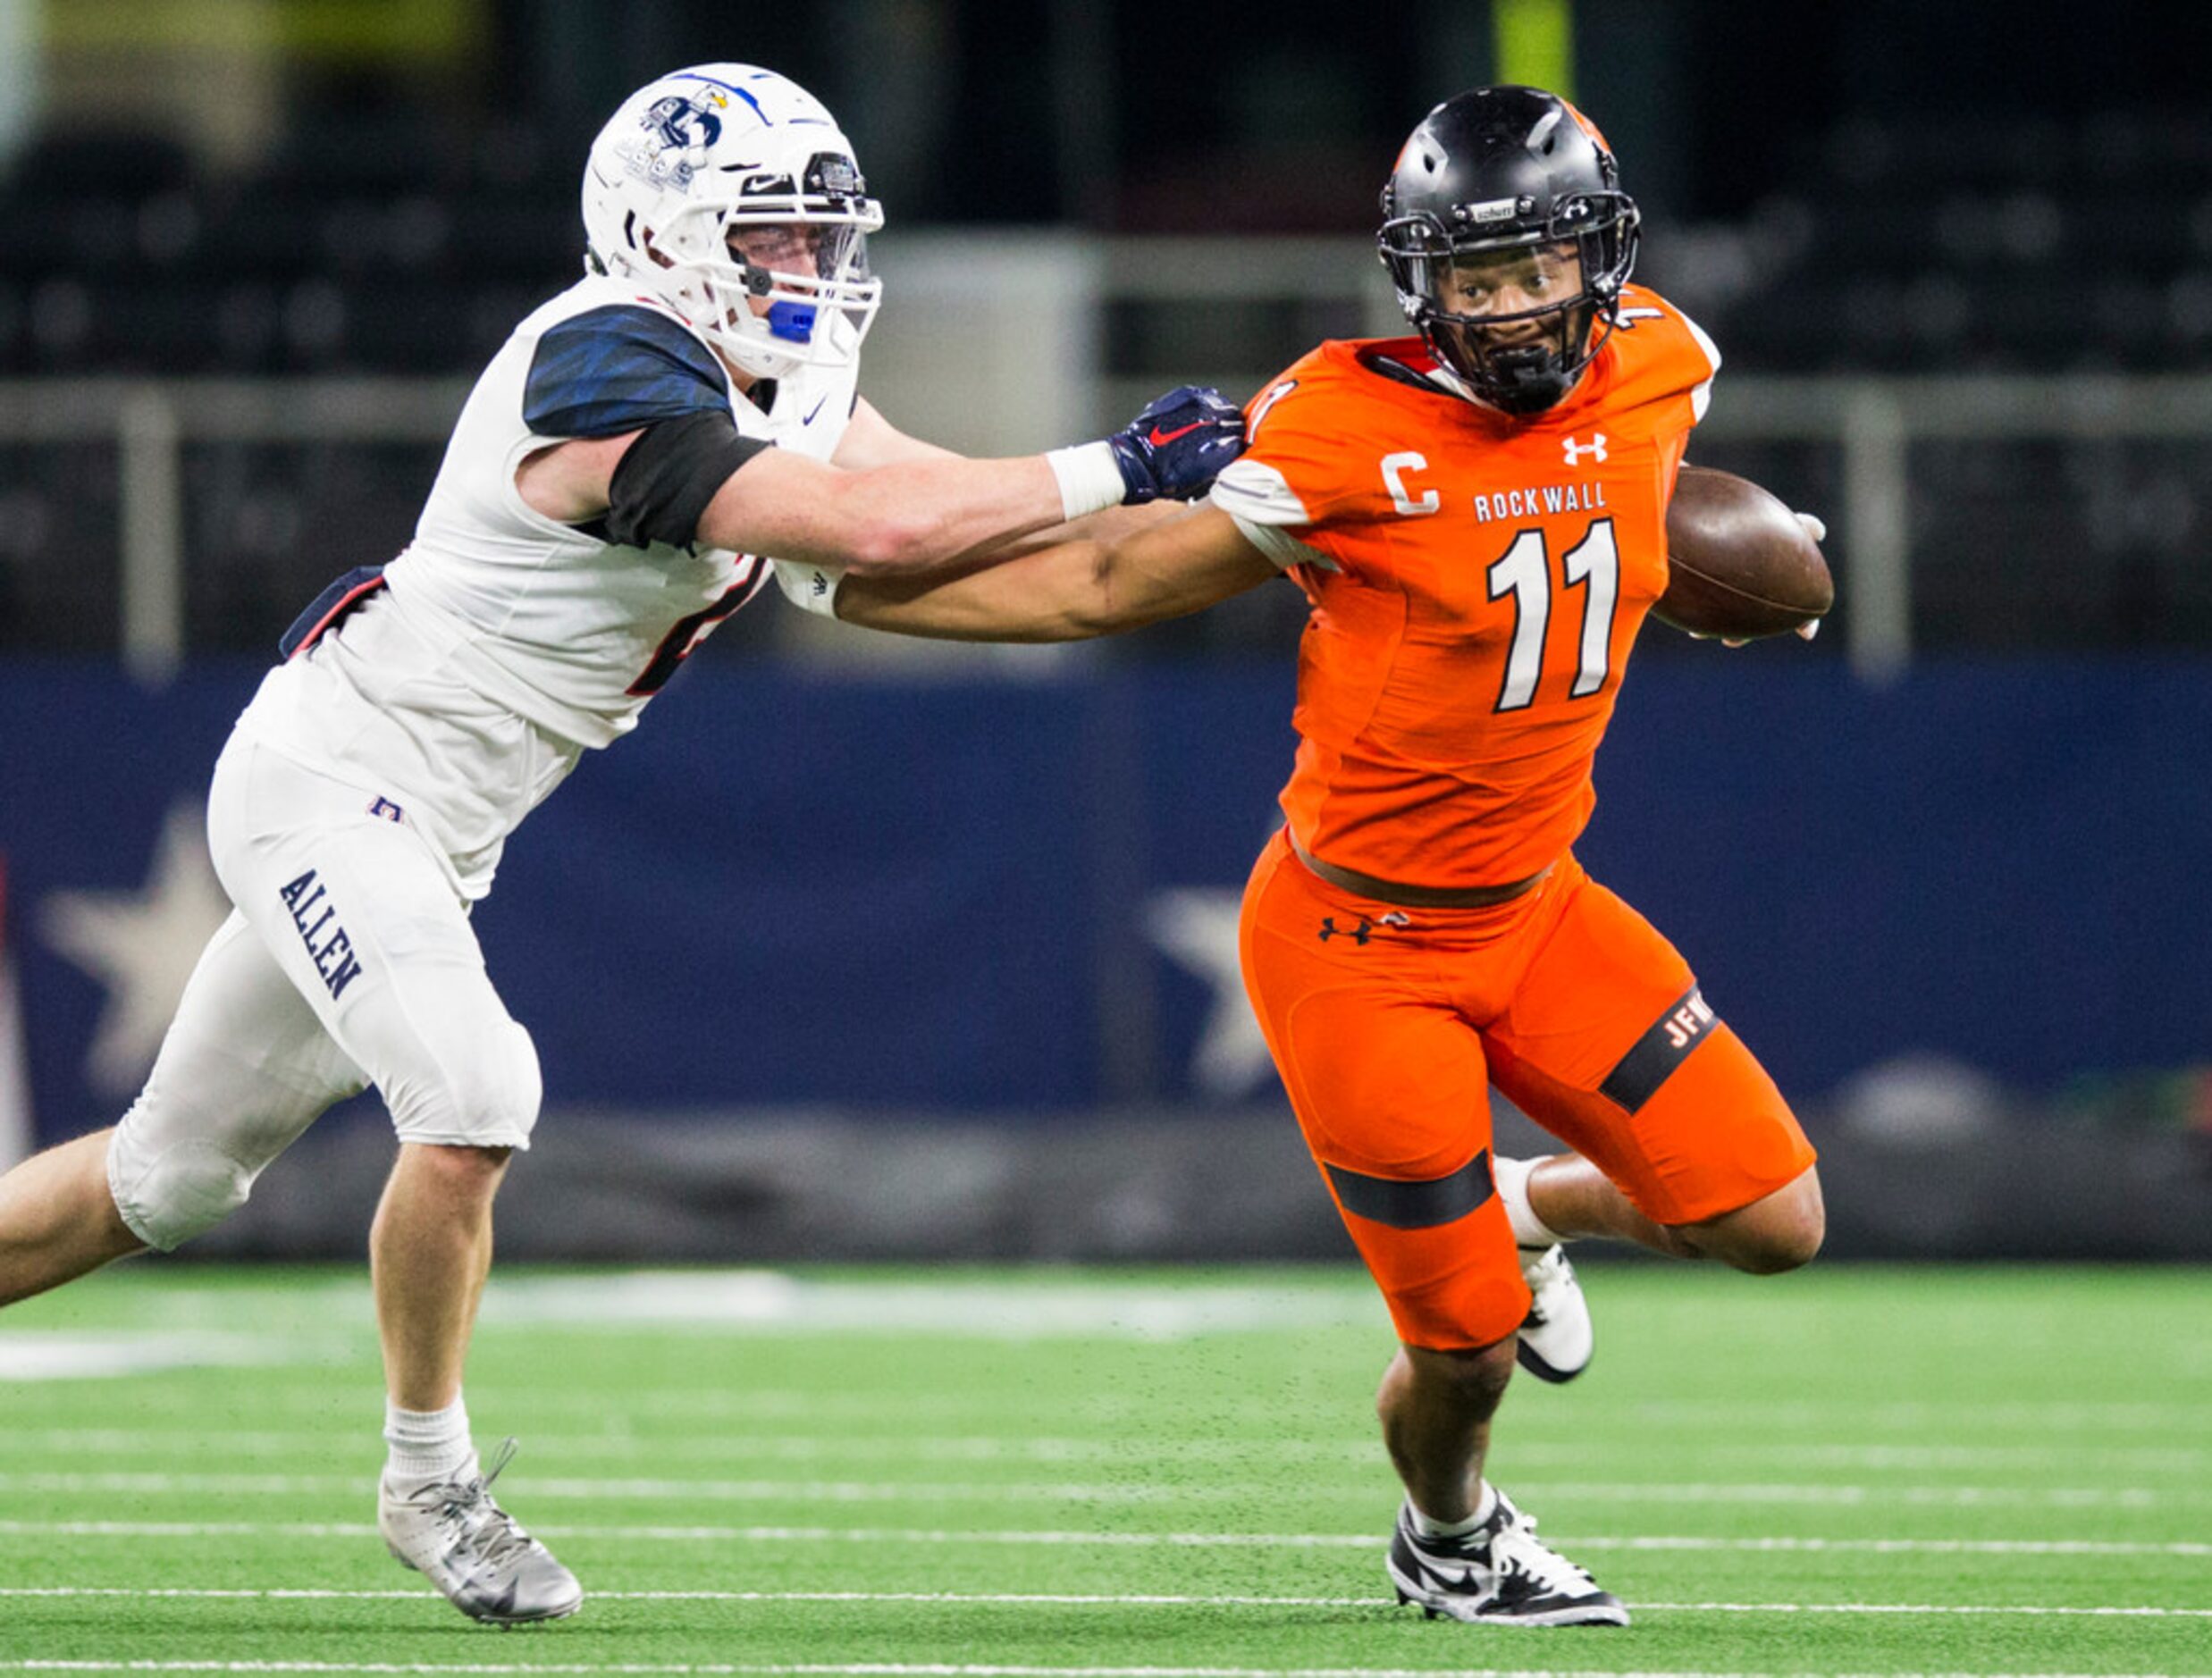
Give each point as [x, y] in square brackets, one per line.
[1476, 581]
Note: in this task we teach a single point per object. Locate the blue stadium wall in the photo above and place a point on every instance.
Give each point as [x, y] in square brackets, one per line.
[940, 896]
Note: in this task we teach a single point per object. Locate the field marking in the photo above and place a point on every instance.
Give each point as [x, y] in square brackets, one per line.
[755, 1300]
[1965, 1415]
[1133, 1599]
[999, 1448]
[29, 1355]
[848, 1491]
[918, 1536]
[751, 1301]
[1966, 1418]
[911, 1669]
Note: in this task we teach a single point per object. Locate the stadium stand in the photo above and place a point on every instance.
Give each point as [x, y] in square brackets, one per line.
[380, 244]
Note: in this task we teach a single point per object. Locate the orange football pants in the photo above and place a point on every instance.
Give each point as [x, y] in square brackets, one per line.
[1389, 1025]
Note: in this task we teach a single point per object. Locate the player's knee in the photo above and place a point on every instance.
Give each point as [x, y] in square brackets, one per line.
[1774, 1253]
[459, 1180]
[1474, 1379]
[504, 1100]
[169, 1190]
[1779, 1233]
[486, 1100]
[1799, 1242]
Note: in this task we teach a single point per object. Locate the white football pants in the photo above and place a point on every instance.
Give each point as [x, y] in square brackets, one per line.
[348, 961]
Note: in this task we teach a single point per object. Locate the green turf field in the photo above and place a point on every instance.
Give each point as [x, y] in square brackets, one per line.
[1848, 1471]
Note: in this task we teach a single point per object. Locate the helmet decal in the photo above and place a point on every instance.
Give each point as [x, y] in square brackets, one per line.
[666, 155]
[833, 175]
[1587, 127]
[671, 117]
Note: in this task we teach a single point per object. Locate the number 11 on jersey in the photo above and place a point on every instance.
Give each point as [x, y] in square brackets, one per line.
[1523, 571]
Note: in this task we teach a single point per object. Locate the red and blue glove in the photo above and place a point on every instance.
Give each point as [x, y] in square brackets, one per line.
[1175, 446]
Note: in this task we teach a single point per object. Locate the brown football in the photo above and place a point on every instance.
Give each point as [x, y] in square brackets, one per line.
[1739, 564]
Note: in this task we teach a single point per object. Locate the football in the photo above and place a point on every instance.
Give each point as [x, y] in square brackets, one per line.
[1740, 564]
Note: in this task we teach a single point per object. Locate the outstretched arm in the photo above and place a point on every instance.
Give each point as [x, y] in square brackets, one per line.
[905, 513]
[1073, 591]
[872, 441]
[694, 479]
[885, 519]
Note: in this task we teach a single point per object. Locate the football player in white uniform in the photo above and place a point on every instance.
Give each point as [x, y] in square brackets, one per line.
[623, 462]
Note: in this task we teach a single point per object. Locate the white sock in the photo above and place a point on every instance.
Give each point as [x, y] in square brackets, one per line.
[426, 1444]
[1486, 1507]
[1512, 1177]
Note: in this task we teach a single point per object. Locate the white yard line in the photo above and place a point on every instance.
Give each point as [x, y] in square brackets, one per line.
[924, 1536]
[1965, 1419]
[754, 1301]
[1968, 1417]
[172, 1442]
[1046, 1308]
[1136, 1600]
[42, 1356]
[847, 1491]
[911, 1669]
[634, 1489]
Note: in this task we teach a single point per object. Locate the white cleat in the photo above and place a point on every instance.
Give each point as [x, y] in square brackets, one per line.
[452, 1533]
[1556, 1334]
[1499, 1574]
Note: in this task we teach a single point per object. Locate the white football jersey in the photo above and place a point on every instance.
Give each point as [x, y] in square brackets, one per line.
[504, 643]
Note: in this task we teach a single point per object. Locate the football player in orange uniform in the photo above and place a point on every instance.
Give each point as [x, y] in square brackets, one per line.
[1478, 516]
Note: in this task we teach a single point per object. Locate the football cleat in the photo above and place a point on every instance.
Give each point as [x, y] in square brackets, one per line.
[1502, 1573]
[1556, 1338]
[452, 1533]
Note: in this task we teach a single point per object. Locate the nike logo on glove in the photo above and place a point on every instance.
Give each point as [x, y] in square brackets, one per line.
[1159, 436]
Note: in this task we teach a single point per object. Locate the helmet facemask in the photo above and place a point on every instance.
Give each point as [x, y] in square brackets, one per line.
[1586, 250]
[778, 280]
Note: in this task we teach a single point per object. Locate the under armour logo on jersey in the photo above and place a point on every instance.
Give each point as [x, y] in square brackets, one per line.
[1594, 448]
[1364, 931]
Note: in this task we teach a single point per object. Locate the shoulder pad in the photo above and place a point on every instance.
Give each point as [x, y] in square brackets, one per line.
[618, 368]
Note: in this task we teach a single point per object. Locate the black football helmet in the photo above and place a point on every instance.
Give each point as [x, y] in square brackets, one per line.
[1501, 168]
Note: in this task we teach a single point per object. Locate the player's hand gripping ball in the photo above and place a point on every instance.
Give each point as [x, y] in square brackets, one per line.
[1740, 563]
[1176, 446]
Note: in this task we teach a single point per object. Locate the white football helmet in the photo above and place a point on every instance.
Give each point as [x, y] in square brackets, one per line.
[702, 163]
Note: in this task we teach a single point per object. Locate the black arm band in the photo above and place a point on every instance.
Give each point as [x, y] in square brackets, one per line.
[663, 482]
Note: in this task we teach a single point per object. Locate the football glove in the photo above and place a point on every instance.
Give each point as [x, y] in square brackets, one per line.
[1177, 444]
